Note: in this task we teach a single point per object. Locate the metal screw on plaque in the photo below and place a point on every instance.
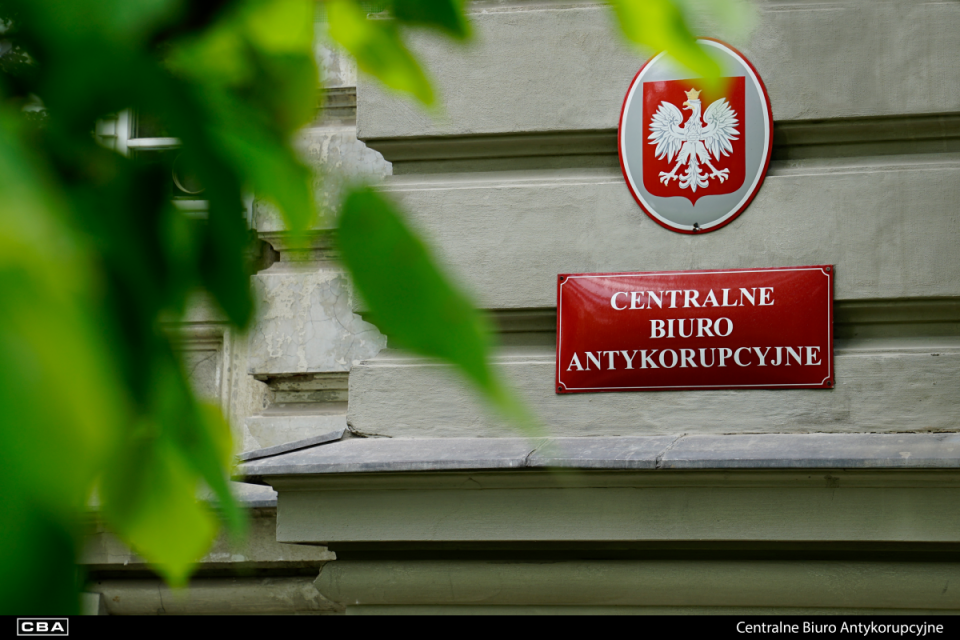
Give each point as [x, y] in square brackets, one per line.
[828, 268]
[696, 227]
[559, 389]
[561, 278]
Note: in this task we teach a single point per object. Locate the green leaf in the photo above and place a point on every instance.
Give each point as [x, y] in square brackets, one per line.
[48, 333]
[222, 268]
[734, 19]
[281, 26]
[149, 497]
[264, 54]
[48, 341]
[444, 15]
[412, 301]
[660, 26]
[118, 21]
[216, 56]
[199, 433]
[378, 49]
[149, 490]
[267, 163]
[253, 89]
[202, 437]
[92, 255]
[289, 89]
[38, 558]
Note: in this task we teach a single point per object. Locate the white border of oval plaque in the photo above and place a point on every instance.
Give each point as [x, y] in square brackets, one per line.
[711, 142]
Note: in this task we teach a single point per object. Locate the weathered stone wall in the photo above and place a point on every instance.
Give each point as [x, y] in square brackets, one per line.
[285, 380]
[306, 337]
[520, 181]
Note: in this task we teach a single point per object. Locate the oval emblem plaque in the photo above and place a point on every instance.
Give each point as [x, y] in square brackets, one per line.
[695, 155]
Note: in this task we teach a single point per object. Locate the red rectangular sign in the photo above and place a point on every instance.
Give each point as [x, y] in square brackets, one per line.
[729, 329]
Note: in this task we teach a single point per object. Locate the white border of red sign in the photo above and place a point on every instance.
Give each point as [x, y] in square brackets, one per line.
[826, 270]
[758, 179]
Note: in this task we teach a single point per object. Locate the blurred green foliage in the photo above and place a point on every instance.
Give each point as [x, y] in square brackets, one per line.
[95, 405]
[93, 393]
[414, 303]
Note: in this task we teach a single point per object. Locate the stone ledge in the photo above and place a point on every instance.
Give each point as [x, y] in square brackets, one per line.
[251, 496]
[793, 140]
[230, 596]
[295, 445]
[104, 554]
[647, 583]
[756, 451]
[815, 451]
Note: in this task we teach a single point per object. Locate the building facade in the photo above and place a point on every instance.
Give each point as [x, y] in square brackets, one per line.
[382, 484]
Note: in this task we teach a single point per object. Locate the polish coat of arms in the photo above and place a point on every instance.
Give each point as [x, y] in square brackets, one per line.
[699, 152]
[695, 141]
[694, 151]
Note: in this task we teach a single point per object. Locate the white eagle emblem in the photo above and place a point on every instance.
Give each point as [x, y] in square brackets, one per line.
[694, 141]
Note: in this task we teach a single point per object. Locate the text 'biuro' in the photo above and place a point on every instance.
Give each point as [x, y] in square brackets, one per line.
[738, 328]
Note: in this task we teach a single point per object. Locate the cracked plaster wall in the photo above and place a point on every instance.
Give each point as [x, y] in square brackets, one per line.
[336, 156]
[335, 153]
[306, 324]
[336, 68]
[329, 146]
[203, 368]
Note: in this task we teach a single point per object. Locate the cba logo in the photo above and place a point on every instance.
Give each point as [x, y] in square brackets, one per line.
[43, 627]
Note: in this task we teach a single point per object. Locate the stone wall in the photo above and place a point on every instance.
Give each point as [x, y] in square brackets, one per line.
[518, 180]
